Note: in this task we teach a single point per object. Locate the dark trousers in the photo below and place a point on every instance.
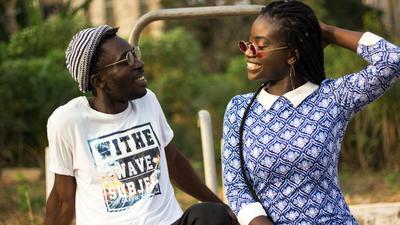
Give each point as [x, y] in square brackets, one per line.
[205, 213]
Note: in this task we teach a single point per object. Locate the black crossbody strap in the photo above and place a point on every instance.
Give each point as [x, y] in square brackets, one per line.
[241, 128]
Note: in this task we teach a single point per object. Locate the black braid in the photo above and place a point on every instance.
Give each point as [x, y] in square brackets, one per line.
[302, 32]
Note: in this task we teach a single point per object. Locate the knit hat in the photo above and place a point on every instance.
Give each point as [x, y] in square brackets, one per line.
[80, 52]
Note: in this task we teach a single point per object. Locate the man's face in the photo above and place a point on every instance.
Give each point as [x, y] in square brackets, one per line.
[121, 82]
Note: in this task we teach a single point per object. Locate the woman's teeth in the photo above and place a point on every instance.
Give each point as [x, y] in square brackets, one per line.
[253, 66]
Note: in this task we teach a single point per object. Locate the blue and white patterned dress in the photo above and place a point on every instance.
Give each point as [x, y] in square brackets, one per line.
[291, 150]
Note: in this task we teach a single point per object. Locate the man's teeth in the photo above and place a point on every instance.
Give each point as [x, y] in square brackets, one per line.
[253, 66]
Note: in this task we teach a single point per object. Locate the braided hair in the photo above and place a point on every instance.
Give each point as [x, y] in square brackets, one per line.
[301, 31]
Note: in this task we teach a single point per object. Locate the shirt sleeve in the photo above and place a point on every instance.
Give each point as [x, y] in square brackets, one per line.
[60, 148]
[354, 91]
[238, 194]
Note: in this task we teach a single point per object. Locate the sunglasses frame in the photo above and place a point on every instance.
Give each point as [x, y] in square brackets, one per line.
[255, 50]
[130, 58]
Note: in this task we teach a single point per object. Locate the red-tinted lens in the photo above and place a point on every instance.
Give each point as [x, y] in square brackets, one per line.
[252, 49]
[242, 46]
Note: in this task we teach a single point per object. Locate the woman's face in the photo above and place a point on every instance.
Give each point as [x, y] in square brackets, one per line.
[267, 64]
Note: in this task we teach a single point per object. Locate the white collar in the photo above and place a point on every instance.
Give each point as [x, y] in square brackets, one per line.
[295, 96]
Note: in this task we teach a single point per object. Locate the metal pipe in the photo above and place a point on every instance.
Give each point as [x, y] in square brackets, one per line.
[189, 13]
[207, 143]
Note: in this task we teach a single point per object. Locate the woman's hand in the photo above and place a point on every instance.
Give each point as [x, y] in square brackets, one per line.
[326, 34]
[342, 37]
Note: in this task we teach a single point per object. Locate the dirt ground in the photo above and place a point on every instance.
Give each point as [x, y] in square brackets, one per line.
[23, 203]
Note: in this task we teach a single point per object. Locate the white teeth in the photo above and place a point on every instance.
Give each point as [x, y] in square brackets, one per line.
[253, 66]
[141, 78]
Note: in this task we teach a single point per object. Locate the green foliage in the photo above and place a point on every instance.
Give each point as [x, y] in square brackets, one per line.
[33, 82]
[194, 65]
[30, 90]
[37, 41]
[20, 197]
[218, 37]
[373, 23]
[29, 13]
[175, 50]
[339, 61]
[392, 179]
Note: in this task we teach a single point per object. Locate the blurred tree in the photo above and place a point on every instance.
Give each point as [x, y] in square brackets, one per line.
[219, 41]
[38, 40]
[372, 130]
[30, 89]
[194, 65]
[9, 18]
[33, 82]
[18, 14]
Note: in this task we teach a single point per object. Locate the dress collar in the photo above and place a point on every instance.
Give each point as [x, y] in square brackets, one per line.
[295, 96]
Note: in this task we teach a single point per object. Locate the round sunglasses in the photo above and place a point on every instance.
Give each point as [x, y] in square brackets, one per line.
[130, 58]
[255, 50]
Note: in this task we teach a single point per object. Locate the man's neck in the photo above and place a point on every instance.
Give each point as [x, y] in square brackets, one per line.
[106, 105]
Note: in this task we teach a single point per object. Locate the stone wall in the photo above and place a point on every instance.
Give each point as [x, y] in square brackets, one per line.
[377, 214]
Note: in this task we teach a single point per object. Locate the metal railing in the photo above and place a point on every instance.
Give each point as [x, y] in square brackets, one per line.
[207, 144]
[190, 13]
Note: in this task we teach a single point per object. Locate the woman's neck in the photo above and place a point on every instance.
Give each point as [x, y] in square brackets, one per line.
[285, 85]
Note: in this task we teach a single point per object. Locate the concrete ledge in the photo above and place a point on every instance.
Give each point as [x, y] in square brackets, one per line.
[377, 214]
[15, 175]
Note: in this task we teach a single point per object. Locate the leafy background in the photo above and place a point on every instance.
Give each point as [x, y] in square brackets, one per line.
[192, 66]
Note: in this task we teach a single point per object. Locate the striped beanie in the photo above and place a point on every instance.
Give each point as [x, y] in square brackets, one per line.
[80, 51]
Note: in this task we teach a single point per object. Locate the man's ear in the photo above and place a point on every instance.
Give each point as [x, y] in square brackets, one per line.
[96, 81]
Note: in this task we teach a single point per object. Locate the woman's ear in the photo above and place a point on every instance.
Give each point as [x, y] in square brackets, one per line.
[293, 57]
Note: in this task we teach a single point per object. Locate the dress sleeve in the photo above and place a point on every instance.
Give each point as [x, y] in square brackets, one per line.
[236, 190]
[356, 90]
[60, 147]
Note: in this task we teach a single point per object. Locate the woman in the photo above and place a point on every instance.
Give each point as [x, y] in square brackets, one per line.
[282, 143]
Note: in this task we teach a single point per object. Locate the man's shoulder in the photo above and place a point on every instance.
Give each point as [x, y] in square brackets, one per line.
[150, 96]
[70, 111]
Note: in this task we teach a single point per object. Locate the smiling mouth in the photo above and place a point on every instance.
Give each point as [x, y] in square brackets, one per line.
[253, 66]
[141, 77]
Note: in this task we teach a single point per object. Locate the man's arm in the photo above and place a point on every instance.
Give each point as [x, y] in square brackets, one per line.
[60, 206]
[184, 176]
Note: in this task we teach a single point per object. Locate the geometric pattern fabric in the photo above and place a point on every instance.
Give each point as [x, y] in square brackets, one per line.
[291, 153]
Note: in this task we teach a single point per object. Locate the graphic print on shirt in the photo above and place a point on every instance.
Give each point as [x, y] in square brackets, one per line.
[129, 164]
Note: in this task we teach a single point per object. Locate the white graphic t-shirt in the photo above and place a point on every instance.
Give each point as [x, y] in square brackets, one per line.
[118, 161]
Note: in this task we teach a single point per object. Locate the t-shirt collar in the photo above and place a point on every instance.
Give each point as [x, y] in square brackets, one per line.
[295, 96]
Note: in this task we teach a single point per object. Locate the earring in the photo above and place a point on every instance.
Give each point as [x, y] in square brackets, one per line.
[292, 74]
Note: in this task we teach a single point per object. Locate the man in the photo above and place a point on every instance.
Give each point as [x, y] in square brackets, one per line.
[112, 153]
